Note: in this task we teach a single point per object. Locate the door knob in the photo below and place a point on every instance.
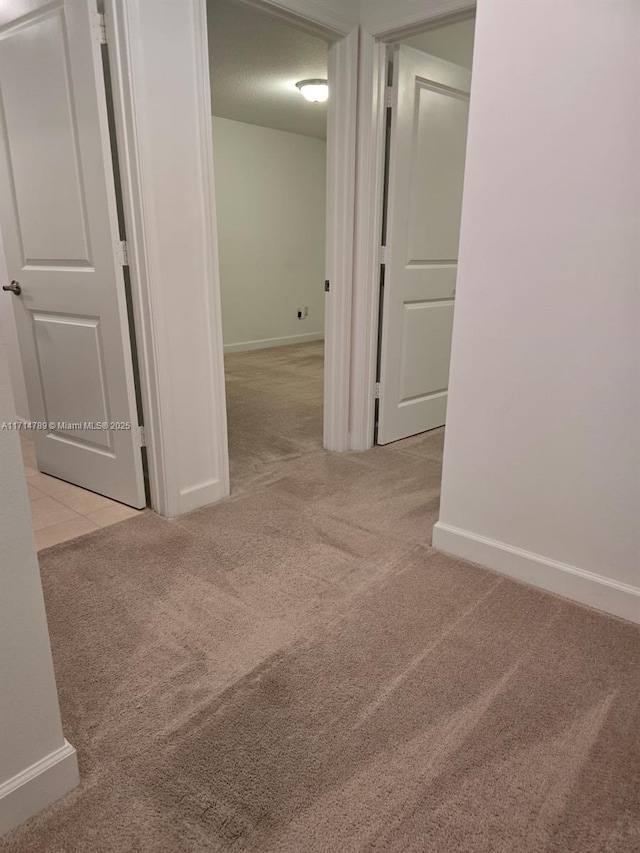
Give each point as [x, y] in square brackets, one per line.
[14, 287]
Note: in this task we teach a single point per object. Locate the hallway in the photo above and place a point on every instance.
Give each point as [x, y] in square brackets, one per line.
[296, 669]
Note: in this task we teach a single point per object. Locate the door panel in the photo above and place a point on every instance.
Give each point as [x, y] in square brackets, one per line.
[34, 63]
[438, 172]
[426, 338]
[60, 232]
[73, 384]
[426, 172]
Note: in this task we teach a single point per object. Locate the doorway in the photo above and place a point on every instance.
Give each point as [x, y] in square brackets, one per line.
[270, 155]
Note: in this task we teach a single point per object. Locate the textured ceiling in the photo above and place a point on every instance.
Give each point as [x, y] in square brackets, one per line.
[255, 62]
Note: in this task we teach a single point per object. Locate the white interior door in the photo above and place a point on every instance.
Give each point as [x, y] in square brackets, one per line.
[426, 170]
[59, 225]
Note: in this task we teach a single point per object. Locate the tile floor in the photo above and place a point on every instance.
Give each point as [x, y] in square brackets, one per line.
[61, 511]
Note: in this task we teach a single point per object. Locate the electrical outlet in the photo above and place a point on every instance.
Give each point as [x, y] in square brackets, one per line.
[302, 313]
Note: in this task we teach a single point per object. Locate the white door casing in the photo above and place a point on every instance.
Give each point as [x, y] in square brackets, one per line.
[341, 163]
[426, 171]
[59, 222]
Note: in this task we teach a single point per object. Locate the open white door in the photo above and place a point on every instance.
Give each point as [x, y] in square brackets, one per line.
[426, 170]
[59, 226]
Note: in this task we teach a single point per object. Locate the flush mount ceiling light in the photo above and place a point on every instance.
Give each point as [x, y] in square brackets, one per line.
[316, 91]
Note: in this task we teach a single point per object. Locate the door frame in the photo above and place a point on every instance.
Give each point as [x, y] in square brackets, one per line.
[372, 108]
[135, 53]
[138, 35]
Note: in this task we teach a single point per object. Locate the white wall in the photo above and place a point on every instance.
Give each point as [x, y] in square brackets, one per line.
[542, 458]
[382, 16]
[37, 765]
[339, 16]
[453, 42]
[270, 198]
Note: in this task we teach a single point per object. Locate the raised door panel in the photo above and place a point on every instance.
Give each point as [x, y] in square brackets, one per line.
[426, 349]
[42, 144]
[73, 381]
[435, 201]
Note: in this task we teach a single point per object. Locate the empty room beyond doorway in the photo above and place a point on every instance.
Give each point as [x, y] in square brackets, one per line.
[269, 150]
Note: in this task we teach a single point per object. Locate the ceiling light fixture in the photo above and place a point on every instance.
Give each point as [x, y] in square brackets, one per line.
[316, 91]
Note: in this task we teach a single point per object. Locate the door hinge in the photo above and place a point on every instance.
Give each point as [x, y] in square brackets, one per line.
[389, 96]
[100, 28]
[140, 437]
[383, 255]
[377, 390]
[327, 286]
[122, 253]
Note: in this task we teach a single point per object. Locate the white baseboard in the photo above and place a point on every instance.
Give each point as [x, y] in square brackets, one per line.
[274, 342]
[597, 591]
[37, 787]
[199, 495]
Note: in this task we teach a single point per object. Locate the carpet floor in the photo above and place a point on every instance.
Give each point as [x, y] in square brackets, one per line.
[274, 407]
[295, 669]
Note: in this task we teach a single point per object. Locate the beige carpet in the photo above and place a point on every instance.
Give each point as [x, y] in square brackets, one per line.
[274, 407]
[296, 670]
